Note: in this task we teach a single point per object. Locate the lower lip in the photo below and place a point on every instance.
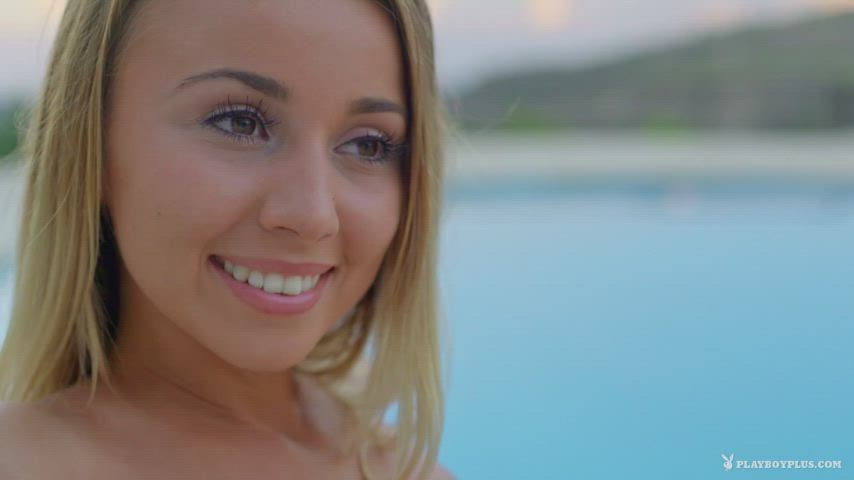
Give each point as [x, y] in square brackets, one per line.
[272, 303]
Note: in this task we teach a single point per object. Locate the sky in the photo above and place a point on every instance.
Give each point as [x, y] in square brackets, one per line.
[476, 38]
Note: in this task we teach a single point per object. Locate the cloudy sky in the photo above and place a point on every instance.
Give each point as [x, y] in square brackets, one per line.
[478, 37]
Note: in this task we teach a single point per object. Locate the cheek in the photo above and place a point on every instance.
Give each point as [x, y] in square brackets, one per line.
[168, 200]
[370, 220]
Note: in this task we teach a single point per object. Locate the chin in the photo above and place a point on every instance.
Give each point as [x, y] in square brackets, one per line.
[266, 355]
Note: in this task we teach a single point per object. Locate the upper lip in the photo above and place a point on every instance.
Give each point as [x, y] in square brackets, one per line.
[278, 266]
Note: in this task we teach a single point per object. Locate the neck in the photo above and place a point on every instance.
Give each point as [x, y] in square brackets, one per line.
[156, 365]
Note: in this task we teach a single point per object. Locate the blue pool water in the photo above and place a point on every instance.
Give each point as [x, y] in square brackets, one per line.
[642, 334]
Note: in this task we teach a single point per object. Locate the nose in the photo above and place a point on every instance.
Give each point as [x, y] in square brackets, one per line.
[300, 196]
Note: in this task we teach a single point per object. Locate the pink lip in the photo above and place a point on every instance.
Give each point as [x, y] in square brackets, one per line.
[278, 266]
[272, 303]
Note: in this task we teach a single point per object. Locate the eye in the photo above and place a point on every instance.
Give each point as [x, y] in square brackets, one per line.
[243, 123]
[372, 147]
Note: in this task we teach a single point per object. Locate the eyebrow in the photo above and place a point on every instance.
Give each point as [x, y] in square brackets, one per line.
[265, 85]
[376, 105]
[272, 88]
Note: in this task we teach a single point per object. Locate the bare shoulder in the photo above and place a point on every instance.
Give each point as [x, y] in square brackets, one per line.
[32, 433]
[441, 473]
[24, 433]
[381, 461]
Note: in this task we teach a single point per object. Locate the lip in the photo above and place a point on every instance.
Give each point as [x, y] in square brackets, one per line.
[281, 267]
[272, 303]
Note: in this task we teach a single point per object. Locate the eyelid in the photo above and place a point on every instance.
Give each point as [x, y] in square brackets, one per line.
[249, 108]
[367, 132]
[230, 107]
[393, 150]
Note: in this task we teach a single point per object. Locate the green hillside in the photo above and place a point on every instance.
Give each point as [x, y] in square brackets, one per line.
[10, 118]
[792, 76]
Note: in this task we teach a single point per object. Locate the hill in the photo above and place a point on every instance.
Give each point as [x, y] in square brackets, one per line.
[9, 121]
[789, 76]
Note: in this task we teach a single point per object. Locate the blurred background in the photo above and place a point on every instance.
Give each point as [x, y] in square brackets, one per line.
[647, 245]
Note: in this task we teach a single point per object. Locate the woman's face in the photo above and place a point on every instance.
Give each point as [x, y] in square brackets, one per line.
[264, 133]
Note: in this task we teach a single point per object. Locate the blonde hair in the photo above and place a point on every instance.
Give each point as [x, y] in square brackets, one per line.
[64, 314]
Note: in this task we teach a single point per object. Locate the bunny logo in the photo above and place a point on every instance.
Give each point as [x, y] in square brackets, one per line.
[727, 461]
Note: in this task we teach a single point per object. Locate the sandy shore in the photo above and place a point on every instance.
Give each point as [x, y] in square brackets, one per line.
[581, 156]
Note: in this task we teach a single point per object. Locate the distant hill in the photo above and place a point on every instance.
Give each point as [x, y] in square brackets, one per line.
[10, 120]
[792, 76]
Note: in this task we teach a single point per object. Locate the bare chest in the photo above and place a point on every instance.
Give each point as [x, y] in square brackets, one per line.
[131, 460]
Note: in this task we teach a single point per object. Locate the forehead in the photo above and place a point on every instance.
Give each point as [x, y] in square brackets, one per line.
[341, 48]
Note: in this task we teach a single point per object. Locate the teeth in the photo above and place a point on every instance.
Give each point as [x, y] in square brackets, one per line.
[256, 279]
[292, 286]
[272, 282]
[241, 274]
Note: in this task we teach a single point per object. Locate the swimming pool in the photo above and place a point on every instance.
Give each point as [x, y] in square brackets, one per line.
[641, 333]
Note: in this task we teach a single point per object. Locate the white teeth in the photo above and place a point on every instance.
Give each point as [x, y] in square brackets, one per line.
[241, 274]
[293, 286]
[271, 282]
[256, 279]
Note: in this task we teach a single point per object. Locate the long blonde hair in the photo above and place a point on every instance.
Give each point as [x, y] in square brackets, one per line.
[64, 314]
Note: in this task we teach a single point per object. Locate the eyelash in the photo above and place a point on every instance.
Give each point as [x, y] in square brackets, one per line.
[231, 110]
[392, 151]
[255, 110]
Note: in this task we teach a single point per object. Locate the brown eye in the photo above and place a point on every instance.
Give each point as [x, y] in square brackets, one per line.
[243, 125]
[372, 148]
[369, 147]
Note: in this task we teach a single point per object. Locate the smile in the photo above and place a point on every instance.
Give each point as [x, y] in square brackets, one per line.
[271, 282]
[271, 293]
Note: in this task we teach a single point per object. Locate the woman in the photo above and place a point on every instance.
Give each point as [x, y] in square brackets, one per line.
[231, 206]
